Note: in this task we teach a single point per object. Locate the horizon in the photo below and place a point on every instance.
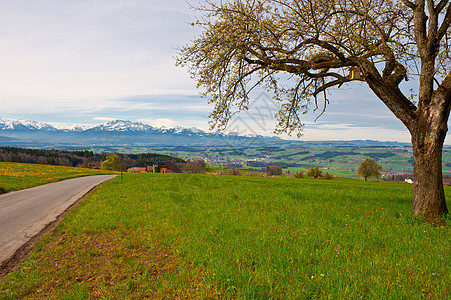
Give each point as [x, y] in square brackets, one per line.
[83, 127]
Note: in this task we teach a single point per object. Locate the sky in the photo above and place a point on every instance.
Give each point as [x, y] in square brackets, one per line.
[90, 61]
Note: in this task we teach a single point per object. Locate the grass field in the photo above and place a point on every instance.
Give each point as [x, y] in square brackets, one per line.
[197, 236]
[17, 176]
[338, 160]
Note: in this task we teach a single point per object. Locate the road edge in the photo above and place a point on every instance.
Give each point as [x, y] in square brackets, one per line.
[13, 263]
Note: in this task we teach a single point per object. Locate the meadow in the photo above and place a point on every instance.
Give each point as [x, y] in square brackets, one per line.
[338, 160]
[17, 176]
[196, 236]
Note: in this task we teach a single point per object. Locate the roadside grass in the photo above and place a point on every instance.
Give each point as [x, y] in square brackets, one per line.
[197, 236]
[17, 176]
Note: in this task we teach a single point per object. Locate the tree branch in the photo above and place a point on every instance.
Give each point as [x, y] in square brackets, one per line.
[329, 47]
[445, 24]
[420, 23]
[397, 74]
[445, 87]
[330, 84]
[409, 4]
[441, 5]
[391, 96]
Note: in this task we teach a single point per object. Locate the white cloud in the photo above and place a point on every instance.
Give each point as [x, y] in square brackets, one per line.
[321, 132]
[162, 122]
[70, 126]
[106, 119]
[58, 52]
[352, 132]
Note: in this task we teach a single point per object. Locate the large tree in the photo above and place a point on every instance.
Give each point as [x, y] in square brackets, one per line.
[369, 168]
[112, 163]
[322, 45]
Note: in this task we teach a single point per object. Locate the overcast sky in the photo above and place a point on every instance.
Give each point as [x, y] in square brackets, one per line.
[88, 61]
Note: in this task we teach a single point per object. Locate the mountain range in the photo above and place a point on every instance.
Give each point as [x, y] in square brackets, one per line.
[115, 133]
[27, 133]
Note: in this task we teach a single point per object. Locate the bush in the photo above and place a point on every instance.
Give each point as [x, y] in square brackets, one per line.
[273, 170]
[299, 174]
[328, 176]
[315, 172]
[195, 166]
[234, 171]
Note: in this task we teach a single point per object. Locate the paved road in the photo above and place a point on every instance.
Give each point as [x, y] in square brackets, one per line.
[25, 213]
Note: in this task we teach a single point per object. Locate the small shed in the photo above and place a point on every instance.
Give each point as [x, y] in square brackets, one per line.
[168, 167]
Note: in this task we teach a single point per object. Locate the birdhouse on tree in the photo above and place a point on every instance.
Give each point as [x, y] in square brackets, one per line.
[355, 73]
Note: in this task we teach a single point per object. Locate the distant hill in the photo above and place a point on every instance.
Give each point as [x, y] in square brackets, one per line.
[79, 158]
[20, 133]
[118, 132]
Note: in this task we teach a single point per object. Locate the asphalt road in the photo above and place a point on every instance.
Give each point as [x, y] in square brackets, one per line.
[25, 213]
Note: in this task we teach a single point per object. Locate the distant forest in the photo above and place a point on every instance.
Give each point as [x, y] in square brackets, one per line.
[84, 159]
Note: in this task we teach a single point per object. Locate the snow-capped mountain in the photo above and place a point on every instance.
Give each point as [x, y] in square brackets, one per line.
[71, 126]
[32, 134]
[122, 126]
[13, 124]
[117, 132]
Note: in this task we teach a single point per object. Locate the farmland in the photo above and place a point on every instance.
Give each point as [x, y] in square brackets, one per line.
[198, 236]
[338, 160]
[17, 176]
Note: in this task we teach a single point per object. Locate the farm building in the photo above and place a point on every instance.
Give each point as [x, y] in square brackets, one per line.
[164, 167]
[136, 170]
[409, 180]
[95, 165]
[168, 167]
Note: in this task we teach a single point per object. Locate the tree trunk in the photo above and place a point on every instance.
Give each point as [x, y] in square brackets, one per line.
[427, 144]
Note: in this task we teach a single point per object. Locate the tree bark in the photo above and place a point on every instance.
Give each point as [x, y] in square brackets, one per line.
[427, 144]
[428, 127]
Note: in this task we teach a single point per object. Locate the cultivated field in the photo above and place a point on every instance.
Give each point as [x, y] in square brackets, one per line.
[17, 176]
[198, 236]
[338, 160]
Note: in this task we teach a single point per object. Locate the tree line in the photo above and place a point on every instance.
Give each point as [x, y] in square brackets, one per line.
[83, 158]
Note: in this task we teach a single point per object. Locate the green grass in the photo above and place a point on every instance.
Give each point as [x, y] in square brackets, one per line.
[344, 164]
[17, 176]
[197, 236]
